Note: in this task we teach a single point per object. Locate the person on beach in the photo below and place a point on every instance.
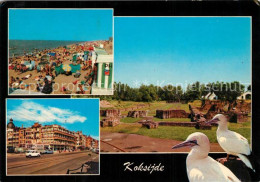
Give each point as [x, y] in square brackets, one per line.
[26, 77]
[18, 67]
[47, 89]
[12, 80]
[39, 85]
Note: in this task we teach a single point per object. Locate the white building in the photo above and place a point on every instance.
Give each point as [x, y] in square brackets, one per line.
[105, 79]
[210, 96]
[245, 96]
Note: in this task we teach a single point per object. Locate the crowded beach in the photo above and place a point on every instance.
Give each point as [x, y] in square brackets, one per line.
[70, 69]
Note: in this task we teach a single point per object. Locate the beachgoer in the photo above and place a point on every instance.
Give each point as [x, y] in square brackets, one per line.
[47, 89]
[26, 77]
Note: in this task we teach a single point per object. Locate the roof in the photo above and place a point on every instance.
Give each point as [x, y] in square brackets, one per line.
[36, 125]
[210, 95]
[101, 51]
[11, 125]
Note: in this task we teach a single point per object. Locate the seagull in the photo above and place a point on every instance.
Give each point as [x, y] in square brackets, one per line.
[231, 142]
[201, 167]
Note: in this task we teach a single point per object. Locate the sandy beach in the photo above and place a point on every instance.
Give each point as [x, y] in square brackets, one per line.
[63, 55]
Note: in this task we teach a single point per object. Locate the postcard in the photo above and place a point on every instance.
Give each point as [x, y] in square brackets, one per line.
[130, 91]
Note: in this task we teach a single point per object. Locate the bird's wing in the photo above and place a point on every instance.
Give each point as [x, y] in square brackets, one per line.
[234, 143]
[210, 170]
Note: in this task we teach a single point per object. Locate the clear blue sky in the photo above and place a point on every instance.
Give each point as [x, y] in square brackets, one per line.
[73, 114]
[182, 49]
[78, 25]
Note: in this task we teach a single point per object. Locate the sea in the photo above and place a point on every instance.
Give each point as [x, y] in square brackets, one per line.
[18, 47]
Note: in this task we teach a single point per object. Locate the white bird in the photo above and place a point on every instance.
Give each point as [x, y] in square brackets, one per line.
[201, 167]
[231, 142]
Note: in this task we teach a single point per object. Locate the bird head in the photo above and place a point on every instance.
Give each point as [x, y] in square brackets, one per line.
[194, 140]
[220, 119]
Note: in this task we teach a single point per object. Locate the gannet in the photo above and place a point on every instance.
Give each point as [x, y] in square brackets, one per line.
[201, 167]
[231, 142]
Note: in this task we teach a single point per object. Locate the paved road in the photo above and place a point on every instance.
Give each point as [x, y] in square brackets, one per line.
[49, 163]
[123, 142]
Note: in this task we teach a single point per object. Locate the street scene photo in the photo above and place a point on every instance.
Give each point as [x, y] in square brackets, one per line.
[70, 51]
[52, 136]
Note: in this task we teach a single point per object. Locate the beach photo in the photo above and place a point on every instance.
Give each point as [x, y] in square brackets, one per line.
[52, 137]
[174, 75]
[60, 51]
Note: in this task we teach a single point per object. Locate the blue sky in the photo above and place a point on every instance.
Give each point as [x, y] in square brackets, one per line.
[77, 25]
[162, 50]
[73, 114]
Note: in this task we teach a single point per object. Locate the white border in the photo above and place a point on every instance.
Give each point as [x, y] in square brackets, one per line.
[36, 95]
[6, 99]
[251, 134]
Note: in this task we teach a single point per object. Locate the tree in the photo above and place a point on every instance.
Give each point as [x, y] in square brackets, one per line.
[249, 88]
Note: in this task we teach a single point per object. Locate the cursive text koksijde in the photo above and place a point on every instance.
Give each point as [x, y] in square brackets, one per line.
[143, 167]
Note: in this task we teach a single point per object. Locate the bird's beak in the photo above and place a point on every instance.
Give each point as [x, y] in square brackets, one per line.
[189, 143]
[214, 120]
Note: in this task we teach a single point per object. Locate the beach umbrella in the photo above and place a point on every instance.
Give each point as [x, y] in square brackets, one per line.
[52, 54]
[90, 48]
[45, 58]
[66, 67]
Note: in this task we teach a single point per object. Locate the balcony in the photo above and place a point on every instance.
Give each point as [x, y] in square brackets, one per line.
[61, 138]
[64, 133]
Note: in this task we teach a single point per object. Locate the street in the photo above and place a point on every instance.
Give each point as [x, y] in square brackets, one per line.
[52, 163]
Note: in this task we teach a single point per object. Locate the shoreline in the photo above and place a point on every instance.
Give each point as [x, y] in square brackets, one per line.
[41, 49]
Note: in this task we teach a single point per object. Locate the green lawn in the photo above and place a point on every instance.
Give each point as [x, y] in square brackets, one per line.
[133, 120]
[196, 103]
[176, 132]
[130, 120]
[128, 125]
[151, 107]
[173, 119]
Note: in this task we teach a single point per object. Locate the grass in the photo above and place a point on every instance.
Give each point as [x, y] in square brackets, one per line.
[167, 132]
[133, 120]
[177, 132]
[151, 107]
[122, 128]
[130, 120]
[196, 103]
[173, 119]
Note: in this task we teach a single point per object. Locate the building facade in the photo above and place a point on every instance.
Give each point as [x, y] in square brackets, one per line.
[54, 137]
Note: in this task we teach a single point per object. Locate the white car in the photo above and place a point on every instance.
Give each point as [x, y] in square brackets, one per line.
[32, 153]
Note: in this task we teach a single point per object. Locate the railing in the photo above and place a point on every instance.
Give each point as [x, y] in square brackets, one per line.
[64, 133]
[81, 169]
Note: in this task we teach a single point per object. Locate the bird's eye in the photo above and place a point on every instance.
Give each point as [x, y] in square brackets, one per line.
[194, 142]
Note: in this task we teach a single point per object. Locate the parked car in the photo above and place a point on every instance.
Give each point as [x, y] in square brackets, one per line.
[10, 149]
[32, 153]
[48, 152]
